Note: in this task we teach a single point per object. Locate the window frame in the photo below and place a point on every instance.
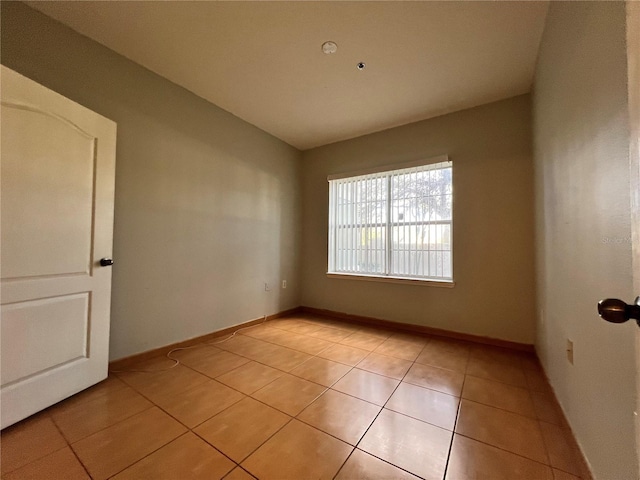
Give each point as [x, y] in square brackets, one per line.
[387, 276]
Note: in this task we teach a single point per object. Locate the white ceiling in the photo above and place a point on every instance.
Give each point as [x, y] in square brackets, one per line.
[262, 61]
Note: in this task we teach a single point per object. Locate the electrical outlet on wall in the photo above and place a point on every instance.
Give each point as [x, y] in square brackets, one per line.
[284, 284]
[570, 351]
[267, 288]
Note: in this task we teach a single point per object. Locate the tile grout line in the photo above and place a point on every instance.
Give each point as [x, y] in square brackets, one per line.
[376, 418]
[239, 464]
[337, 391]
[325, 390]
[528, 389]
[291, 418]
[455, 423]
[47, 414]
[316, 355]
[536, 419]
[150, 453]
[352, 367]
[84, 467]
[206, 420]
[283, 346]
[514, 453]
[119, 421]
[189, 429]
[544, 442]
[241, 468]
[230, 387]
[192, 430]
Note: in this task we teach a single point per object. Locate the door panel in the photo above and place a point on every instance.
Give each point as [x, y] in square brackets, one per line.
[633, 82]
[63, 209]
[56, 210]
[34, 325]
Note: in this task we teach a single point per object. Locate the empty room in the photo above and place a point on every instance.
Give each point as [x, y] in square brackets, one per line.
[320, 240]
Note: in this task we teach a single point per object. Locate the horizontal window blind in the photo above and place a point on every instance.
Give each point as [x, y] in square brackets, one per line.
[396, 223]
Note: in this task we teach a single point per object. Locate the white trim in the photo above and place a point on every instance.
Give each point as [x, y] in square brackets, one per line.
[344, 265]
[390, 168]
[389, 279]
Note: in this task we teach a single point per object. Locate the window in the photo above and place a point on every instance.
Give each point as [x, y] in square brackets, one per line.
[393, 224]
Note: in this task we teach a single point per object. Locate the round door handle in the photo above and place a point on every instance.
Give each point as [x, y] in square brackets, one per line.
[616, 311]
[106, 262]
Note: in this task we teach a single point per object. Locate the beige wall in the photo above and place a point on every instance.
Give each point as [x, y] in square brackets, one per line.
[583, 227]
[490, 147]
[207, 206]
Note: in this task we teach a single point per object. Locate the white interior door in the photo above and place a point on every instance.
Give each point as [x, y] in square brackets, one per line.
[56, 218]
[633, 65]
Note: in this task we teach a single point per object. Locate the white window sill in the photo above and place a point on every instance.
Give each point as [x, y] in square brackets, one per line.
[387, 279]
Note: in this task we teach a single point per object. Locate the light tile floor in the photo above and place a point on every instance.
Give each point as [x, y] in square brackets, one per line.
[307, 397]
